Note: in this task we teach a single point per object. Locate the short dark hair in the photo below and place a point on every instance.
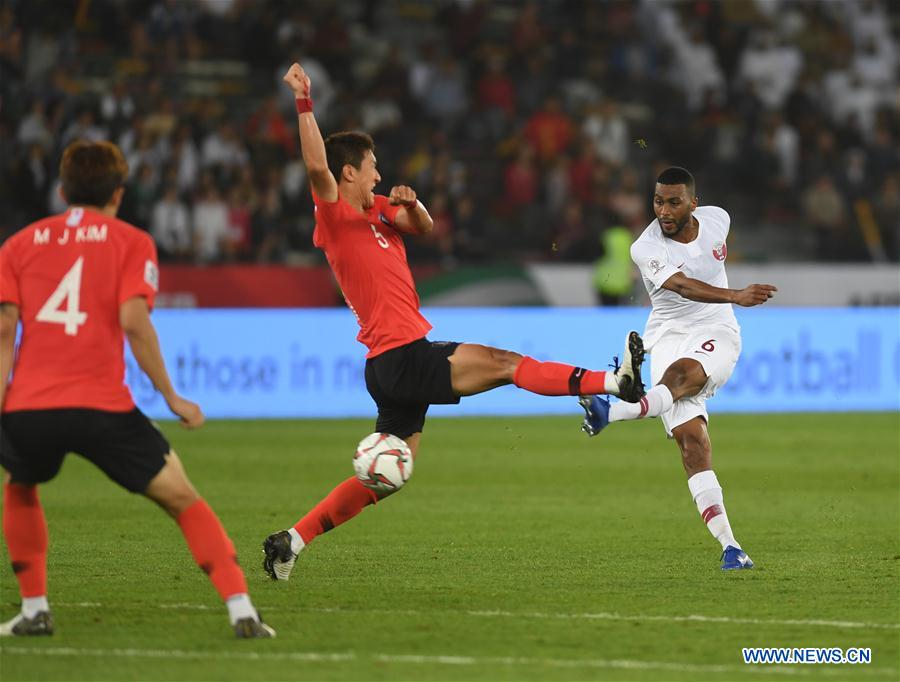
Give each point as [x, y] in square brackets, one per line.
[91, 172]
[344, 148]
[676, 175]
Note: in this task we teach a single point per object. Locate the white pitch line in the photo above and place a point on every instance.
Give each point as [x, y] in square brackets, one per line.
[417, 659]
[693, 618]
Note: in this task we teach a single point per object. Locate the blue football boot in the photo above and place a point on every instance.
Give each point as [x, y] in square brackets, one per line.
[596, 413]
[734, 559]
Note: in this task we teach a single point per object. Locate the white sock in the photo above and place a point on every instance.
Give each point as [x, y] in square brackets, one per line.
[611, 384]
[657, 401]
[240, 606]
[32, 606]
[707, 496]
[297, 543]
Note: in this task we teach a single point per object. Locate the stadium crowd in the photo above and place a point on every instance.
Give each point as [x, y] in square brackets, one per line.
[528, 129]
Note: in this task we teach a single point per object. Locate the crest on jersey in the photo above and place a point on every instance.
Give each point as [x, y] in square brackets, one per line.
[75, 216]
[655, 265]
[720, 250]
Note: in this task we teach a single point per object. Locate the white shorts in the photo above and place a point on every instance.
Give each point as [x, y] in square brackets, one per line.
[716, 348]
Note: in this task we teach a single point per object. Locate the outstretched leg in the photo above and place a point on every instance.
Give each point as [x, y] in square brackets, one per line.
[476, 369]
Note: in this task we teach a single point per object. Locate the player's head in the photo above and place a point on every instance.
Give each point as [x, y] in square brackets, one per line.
[93, 174]
[674, 199]
[351, 160]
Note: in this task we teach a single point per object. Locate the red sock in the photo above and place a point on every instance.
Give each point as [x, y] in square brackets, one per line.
[212, 549]
[25, 529]
[556, 378]
[343, 503]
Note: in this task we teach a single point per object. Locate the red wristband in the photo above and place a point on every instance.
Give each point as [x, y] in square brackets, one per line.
[304, 106]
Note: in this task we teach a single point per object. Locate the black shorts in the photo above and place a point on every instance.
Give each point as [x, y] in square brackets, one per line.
[404, 381]
[124, 445]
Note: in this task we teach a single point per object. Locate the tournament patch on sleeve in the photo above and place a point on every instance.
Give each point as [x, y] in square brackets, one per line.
[655, 266]
[151, 274]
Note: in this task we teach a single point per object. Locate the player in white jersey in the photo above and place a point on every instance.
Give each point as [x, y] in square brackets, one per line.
[692, 336]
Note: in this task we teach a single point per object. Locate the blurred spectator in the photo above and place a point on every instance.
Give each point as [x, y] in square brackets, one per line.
[550, 129]
[626, 200]
[268, 228]
[185, 159]
[33, 128]
[170, 226]
[570, 238]
[606, 129]
[441, 238]
[773, 68]
[445, 96]
[240, 229]
[496, 90]
[117, 107]
[30, 180]
[887, 215]
[140, 196]
[824, 211]
[521, 180]
[84, 127]
[211, 229]
[223, 148]
[269, 127]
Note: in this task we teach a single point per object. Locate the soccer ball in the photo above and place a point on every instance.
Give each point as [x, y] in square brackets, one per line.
[383, 462]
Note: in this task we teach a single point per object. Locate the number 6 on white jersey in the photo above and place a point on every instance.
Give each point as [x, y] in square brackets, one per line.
[69, 288]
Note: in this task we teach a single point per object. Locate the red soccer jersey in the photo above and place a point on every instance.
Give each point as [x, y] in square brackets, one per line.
[69, 274]
[368, 258]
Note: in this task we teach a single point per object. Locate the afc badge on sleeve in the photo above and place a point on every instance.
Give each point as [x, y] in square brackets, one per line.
[151, 274]
[655, 266]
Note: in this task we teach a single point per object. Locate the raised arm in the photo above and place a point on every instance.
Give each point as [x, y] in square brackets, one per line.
[412, 217]
[134, 316]
[695, 290]
[312, 145]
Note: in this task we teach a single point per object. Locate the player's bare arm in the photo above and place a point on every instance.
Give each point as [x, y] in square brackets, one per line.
[695, 290]
[134, 316]
[312, 145]
[412, 217]
[9, 320]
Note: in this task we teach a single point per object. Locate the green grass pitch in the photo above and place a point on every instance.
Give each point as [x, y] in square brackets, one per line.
[520, 550]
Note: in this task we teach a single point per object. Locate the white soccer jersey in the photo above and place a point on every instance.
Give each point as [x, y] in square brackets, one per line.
[659, 257]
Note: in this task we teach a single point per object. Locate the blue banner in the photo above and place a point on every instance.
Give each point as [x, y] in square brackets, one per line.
[307, 362]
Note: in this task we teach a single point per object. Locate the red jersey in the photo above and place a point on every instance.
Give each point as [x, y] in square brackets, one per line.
[368, 258]
[69, 274]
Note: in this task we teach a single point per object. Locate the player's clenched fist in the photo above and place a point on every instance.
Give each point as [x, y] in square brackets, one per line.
[403, 196]
[298, 81]
[755, 294]
[189, 412]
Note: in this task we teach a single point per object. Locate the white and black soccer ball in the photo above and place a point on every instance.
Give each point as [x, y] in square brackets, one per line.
[383, 462]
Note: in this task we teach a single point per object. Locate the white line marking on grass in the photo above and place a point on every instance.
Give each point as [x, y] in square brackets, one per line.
[178, 653]
[694, 618]
[416, 659]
